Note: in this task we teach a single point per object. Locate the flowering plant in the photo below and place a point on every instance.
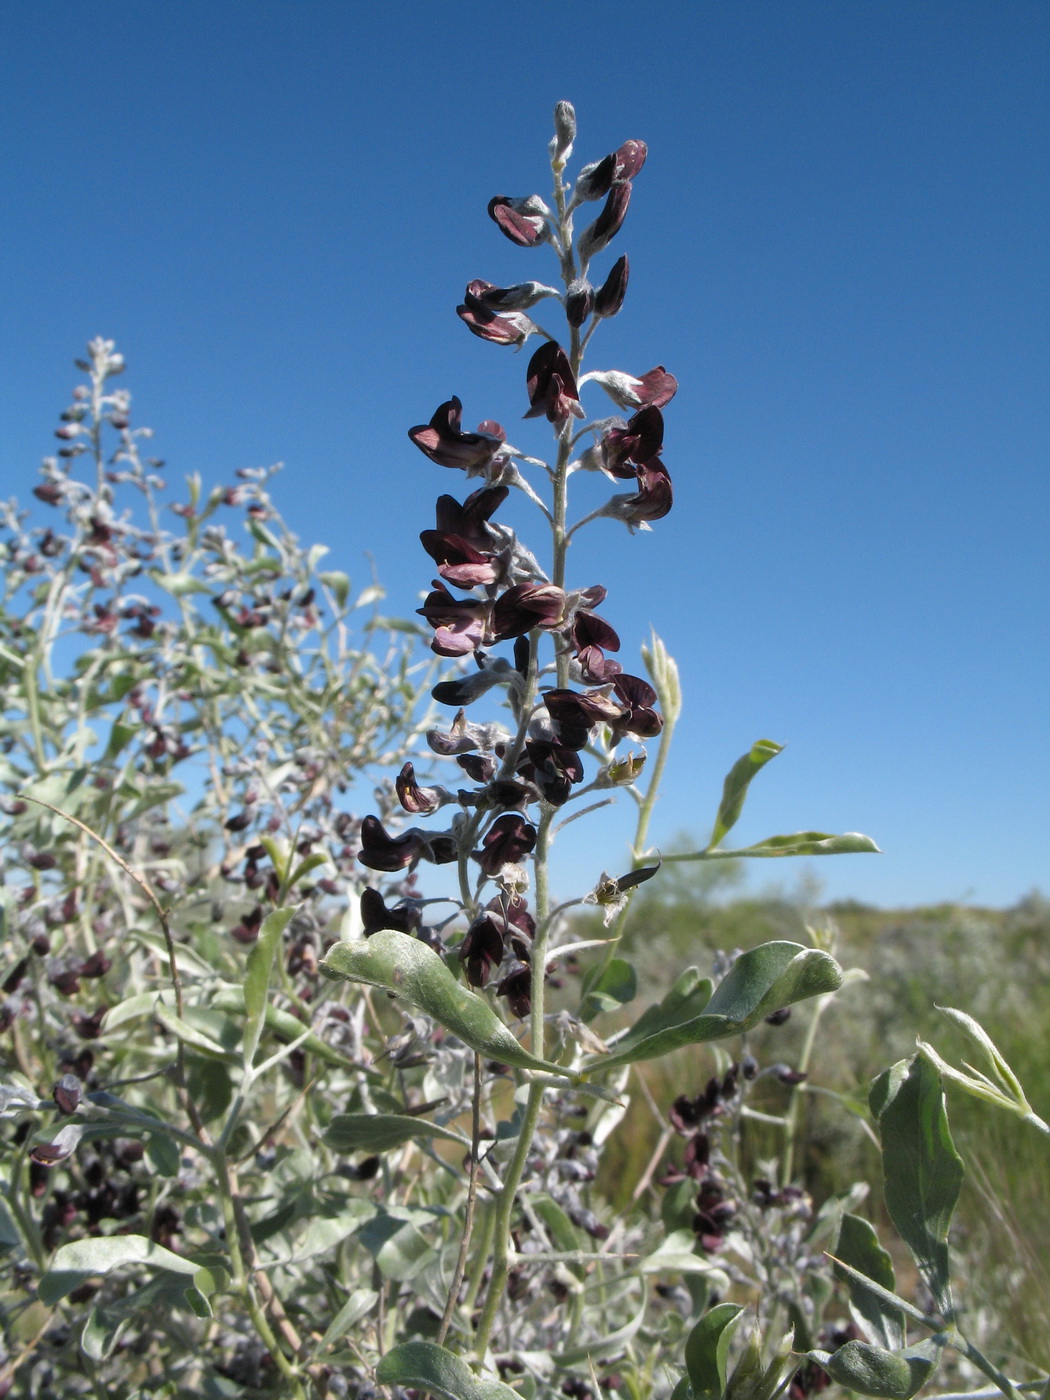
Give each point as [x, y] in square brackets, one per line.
[323, 1130]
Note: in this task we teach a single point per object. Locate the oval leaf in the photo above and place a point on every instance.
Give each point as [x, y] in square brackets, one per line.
[257, 978]
[75, 1263]
[869, 1370]
[762, 980]
[737, 782]
[707, 1351]
[426, 1366]
[858, 1246]
[922, 1171]
[414, 972]
[379, 1132]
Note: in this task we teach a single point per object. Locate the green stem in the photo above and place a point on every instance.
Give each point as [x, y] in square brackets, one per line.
[791, 1116]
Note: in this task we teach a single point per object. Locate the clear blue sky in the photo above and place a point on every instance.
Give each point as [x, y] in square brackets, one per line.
[838, 246]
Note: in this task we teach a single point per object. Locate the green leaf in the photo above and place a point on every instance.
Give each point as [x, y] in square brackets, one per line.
[120, 735]
[338, 583]
[871, 1370]
[612, 1344]
[178, 585]
[358, 1305]
[737, 782]
[283, 1023]
[412, 971]
[560, 1228]
[707, 1351]
[426, 1366]
[858, 1246]
[397, 1243]
[379, 1132]
[762, 980]
[75, 1263]
[257, 979]
[799, 843]
[189, 1035]
[614, 986]
[922, 1171]
[164, 1154]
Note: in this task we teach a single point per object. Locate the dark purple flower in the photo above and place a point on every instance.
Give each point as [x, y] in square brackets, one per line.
[525, 606]
[478, 316]
[481, 768]
[379, 851]
[459, 622]
[639, 717]
[609, 297]
[517, 298]
[458, 561]
[608, 223]
[443, 442]
[551, 385]
[481, 951]
[581, 710]
[554, 769]
[522, 220]
[621, 450]
[517, 988]
[508, 839]
[403, 918]
[652, 500]
[66, 1093]
[415, 799]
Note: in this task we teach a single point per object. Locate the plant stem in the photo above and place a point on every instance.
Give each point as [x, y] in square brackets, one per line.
[472, 1195]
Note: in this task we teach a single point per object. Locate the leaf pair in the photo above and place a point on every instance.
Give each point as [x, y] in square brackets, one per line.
[799, 843]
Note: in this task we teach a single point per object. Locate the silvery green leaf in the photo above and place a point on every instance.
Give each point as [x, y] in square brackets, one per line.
[426, 1366]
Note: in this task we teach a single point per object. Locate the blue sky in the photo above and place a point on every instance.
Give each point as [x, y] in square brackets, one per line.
[838, 246]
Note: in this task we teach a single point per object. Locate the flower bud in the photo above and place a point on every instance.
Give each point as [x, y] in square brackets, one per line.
[66, 1093]
[579, 301]
[564, 132]
[595, 180]
[609, 297]
[607, 224]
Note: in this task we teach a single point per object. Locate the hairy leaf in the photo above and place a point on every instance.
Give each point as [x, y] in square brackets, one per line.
[922, 1171]
[426, 1366]
[858, 1246]
[760, 981]
[257, 979]
[379, 1132]
[412, 971]
[871, 1370]
[707, 1351]
[738, 780]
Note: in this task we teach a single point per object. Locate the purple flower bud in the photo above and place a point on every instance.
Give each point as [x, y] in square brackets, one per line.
[443, 442]
[595, 180]
[479, 767]
[579, 301]
[608, 223]
[66, 1093]
[609, 297]
[629, 159]
[458, 561]
[379, 851]
[522, 220]
[622, 450]
[551, 385]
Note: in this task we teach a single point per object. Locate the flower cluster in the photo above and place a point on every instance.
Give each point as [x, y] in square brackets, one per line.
[491, 590]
